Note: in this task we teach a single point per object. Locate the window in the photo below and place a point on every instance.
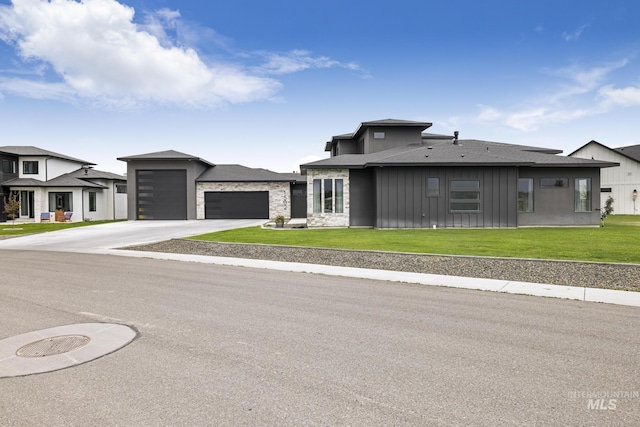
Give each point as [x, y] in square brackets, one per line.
[326, 197]
[379, 135]
[92, 201]
[583, 195]
[464, 196]
[433, 187]
[525, 195]
[30, 167]
[317, 195]
[121, 188]
[339, 196]
[61, 201]
[554, 182]
[8, 166]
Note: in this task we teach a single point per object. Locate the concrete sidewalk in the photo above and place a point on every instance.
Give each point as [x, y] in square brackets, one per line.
[537, 289]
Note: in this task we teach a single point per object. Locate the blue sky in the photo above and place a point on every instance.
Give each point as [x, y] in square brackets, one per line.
[266, 84]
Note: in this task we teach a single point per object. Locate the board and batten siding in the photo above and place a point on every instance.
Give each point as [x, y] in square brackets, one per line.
[402, 202]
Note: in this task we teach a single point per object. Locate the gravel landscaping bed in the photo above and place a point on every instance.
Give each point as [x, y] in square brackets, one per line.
[592, 275]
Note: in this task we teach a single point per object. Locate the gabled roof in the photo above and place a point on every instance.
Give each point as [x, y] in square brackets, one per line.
[165, 155]
[31, 151]
[386, 123]
[239, 173]
[631, 152]
[89, 173]
[466, 153]
[61, 181]
[79, 178]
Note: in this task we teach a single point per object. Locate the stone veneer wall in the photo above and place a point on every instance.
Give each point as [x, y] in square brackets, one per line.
[327, 219]
[279, 194]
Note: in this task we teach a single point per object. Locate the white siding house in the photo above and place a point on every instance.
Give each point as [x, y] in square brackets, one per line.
[48, 182]
[619, 182]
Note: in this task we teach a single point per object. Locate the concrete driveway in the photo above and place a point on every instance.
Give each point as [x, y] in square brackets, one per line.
[119, 234]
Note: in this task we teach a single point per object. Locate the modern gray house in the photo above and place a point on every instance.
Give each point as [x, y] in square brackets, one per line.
[389, 174]
[173, 185]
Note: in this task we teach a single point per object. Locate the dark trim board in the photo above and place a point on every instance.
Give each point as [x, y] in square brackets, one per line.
[236, 205]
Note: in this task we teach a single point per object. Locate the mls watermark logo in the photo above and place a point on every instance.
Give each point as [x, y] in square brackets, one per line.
[606, 400]
[602, 404]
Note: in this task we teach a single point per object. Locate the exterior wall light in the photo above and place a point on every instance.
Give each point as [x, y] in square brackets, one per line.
[634, 195]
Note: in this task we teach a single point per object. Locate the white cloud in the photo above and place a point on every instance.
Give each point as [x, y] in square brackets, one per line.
[569, 37]
[625, 97]
[488, 114]
[580, 94]
[101, 56]
[298, 60]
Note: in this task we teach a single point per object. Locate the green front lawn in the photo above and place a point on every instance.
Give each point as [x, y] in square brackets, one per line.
[618, 241]
[8, 229]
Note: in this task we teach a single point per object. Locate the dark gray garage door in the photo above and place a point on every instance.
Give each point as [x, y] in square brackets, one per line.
[162, 194]
[236, 205]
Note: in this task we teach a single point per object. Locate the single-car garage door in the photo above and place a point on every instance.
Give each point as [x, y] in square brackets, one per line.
[162, 194]
[236, 204]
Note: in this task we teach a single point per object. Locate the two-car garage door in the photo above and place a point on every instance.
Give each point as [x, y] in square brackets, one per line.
[236, 204]
[162, 194]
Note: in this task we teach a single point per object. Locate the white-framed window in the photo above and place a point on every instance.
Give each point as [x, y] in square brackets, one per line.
[328, 195]
[379, 135]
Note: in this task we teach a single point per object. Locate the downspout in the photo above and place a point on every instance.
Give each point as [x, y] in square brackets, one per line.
[113, 198]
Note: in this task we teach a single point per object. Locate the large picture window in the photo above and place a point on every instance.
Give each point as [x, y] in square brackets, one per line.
[464, 196]
[61, 201]
[328, 195]
[583, 195]
[525, 195]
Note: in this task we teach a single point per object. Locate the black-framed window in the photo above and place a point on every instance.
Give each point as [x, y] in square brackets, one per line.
[464, 196]
[433, 187]
[525, 194]
[121, 188]
[61, 201]
[30, 167]
[8, 166]
[92, 201]
[554, 182]
[583, 194]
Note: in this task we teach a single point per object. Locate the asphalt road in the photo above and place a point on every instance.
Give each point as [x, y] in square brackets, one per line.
[233, 346]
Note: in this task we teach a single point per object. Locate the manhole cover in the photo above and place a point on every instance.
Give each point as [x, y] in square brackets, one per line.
[52, 346]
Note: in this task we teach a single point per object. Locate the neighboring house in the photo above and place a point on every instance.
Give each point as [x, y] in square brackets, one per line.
[47, 182]
[620, 182]
[174, 185]
[388, 174]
